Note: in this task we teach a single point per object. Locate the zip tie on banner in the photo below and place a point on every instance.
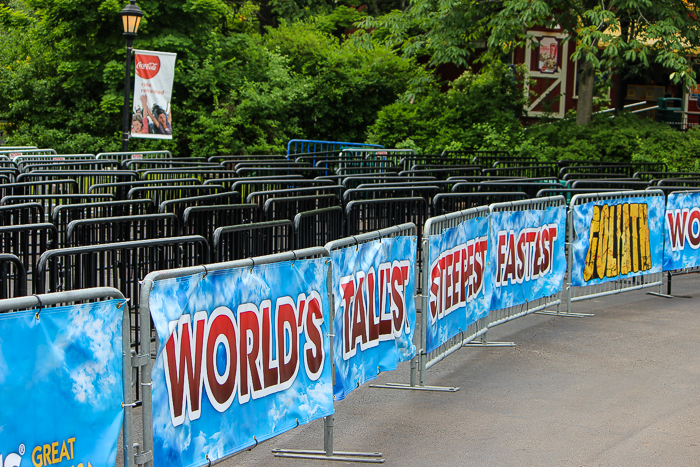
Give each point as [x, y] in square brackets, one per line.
[357, 244]
[297, 422]
[295, 258]
[205, 271]
[256, 443]
[252, 265]
[41, 306]
[379, 234]
[206, 456]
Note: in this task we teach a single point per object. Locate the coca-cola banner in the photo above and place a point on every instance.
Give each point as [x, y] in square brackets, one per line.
[153, 89]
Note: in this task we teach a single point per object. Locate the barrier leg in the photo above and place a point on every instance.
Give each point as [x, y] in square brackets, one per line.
[485, 342]
[328, 454]
[668, 293]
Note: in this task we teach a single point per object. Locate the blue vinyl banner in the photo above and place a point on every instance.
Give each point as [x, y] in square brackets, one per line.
[460, 283]
[375, 311]
[61, 386]
[527, 255]
[682, 231]
[243, 356]
[614, 239]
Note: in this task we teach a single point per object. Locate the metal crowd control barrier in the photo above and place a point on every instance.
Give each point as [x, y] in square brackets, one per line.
[14, 153]
[143, 361]
[17, 281]
[86, 295]
[575, 294]
[394, 231]
[436, 226]
[539, 306]
[120, 156]
[296, 146]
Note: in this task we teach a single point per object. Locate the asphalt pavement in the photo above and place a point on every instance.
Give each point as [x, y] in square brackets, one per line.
[621, 388]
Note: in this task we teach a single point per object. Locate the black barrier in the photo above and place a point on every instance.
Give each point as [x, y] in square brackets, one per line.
[247, 186]
[10, 174]
[121, 189]
[375, 214]
[122, 229]
[262, 164]
[136, 164]
[159, 194]
[485, 178]
[13, 277]
[290, 206]
[48, 202]
[623, 169]
[84, 179]
[203, 220]
[178, 206]
[355, 181]
[347, 171]
[604, 184]
[246, 241]
[529, 171]
[489, 160]
[227, 183]
[56, 187]
[65, 214]
[443, 185]
[445, 203]
[408, 162]
[70, 166]
[306, 172]
[426, 192]
[166, 160]
[569, 193]
[442, 173]
[662, 175]
[529, 188]
[118, 265]
[572, 163]
[200, 174]
[333, 164]
[504, 164]
[260, 197]
[28, 242]
[678, 182]
[318, 227]
[21, 214]
[592, 175]
[244, 158]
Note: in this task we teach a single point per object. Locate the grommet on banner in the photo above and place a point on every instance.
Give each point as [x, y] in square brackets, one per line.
[41, 306]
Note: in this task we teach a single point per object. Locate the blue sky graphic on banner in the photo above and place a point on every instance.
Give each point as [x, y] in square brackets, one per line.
[242, 352]
[61, 384]
[527, 255]
[682, 231]
[375, 311]
[460, 281]
[617, 238]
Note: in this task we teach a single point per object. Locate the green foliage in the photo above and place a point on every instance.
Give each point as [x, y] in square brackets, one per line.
[463, 117]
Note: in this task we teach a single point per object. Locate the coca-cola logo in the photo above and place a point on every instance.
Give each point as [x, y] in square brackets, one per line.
[147, 66]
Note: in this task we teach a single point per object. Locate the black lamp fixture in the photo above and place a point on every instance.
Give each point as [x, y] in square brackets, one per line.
[131, 17]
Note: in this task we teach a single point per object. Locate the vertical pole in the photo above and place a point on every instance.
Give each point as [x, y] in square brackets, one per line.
[127, 89]
[145, 349]
[328, 421]
[569, 256]
[128, 439]
[422, 355]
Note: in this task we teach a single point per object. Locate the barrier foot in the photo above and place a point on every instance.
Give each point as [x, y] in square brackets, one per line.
[489, 344]
[663, 295]
[340, 456]
[415, 388]
[564, 314]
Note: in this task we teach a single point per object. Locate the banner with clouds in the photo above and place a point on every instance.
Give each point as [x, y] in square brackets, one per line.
[682, 231]
[61, 386]
[243, 355]
[375, 310]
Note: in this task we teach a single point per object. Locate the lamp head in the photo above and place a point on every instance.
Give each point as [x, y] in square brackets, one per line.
[131, 17]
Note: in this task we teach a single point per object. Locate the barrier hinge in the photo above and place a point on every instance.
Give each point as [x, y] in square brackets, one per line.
[143, 457]
[138, 361]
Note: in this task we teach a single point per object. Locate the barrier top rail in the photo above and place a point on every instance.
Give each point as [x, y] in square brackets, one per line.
[55, 298]
[296, 146]
[590, 197]
[12, 153]
[392, 231]
[546, 202]
[120, 156]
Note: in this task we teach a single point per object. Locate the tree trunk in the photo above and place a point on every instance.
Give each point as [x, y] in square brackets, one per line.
[586, 85]
[621, 89]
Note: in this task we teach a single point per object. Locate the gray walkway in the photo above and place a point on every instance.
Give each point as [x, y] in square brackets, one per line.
[618, 389]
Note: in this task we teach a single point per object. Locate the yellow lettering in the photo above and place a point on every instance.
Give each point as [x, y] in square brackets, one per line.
[64, 452]
[644, 239]
[80, 465]
[625, 261]
[592, 245]
[37, 460]
[54, 452]
[47, 454]
[634, 216]
[71, 441]
[601, 256]
[611, 270]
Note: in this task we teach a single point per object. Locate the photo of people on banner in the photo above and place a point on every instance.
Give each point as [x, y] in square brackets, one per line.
[153, 88]
[460, 280]
[243, 355]
[375, 310]
[617, 238]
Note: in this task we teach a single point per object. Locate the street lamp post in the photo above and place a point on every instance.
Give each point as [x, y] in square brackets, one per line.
[131, 17]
